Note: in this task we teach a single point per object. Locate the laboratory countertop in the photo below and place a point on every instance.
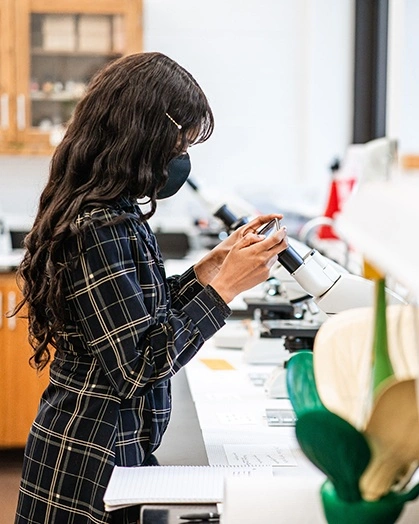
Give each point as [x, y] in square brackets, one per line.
[214, 403]
[10, 261]
[221, 417]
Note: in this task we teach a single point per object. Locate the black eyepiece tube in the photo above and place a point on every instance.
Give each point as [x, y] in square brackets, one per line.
[290, 259]
[226, 216]
[192, 184]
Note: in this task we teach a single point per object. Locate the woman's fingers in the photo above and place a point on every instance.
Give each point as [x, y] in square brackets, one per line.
[261, 220]
[249, 259]
[276, 242]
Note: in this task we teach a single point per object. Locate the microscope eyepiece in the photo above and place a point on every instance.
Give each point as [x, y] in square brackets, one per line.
[290, 259]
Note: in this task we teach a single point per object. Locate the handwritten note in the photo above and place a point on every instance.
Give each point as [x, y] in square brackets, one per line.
[254, 455]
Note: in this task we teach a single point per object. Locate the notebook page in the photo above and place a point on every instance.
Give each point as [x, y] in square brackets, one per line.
[172, 484]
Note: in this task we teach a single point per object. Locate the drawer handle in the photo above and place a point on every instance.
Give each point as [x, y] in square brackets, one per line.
[21, 112]
[11, 304]
[4, 111]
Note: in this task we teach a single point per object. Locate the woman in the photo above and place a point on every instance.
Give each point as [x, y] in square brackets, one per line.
[94, 284]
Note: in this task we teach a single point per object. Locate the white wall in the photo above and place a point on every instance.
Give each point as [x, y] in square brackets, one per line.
[409, 132]
[278, 74]
[21, 183]
[403, 75]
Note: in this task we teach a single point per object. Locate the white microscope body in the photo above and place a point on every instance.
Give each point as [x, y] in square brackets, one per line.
[329, 286]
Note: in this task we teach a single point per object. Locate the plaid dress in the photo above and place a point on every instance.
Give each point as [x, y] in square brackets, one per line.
[128, 330]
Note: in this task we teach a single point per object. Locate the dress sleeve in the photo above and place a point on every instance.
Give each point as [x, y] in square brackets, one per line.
[119, 302]
[183, 288]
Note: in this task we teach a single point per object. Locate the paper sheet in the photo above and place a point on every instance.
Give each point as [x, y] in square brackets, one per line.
[259, 455]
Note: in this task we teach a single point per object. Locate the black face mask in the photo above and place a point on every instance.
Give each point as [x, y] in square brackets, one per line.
[178, 170]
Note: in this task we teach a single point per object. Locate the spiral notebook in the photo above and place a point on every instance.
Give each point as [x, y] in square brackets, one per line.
[172, 484]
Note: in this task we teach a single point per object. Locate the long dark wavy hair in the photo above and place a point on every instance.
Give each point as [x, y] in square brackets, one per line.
[118, 143]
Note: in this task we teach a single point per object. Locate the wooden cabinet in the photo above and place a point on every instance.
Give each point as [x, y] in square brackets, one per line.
[6, 72]
[49, 52]
[20, 385]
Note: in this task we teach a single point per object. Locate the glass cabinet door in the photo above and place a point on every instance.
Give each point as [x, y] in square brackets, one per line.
[66, 45]
[65, 52]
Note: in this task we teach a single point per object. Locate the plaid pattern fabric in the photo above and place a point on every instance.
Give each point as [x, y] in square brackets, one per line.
[129, 329]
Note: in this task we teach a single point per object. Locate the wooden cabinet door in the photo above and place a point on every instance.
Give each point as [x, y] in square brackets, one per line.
[7, 63]
[21, 385]
[58, 46]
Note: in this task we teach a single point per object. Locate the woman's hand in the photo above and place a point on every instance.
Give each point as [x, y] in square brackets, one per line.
[248, 263]
[208, 267]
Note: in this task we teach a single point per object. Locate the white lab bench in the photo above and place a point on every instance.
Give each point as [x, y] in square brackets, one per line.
[217, 406]
[218, 411]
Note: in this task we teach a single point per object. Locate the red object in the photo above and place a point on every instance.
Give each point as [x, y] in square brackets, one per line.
[339, 192]
[333, 205]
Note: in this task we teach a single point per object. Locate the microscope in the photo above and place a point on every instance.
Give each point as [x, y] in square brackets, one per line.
[304, 290]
